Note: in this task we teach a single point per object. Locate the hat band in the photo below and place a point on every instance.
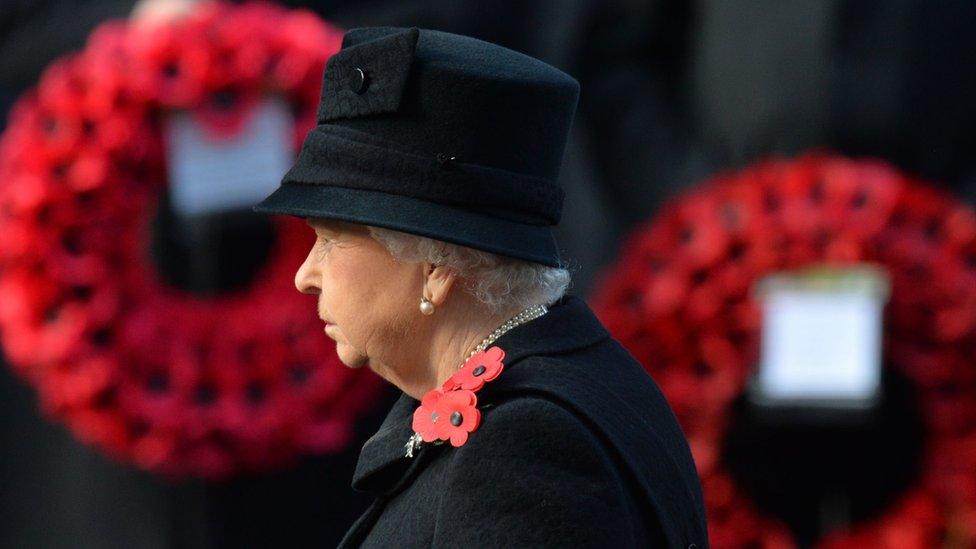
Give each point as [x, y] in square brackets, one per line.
[337, 156]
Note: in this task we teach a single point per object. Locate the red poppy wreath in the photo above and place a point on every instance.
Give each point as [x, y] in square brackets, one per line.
[680, 299]
[175, 383]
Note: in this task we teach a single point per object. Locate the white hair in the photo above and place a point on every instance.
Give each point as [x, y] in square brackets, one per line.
[497, 281]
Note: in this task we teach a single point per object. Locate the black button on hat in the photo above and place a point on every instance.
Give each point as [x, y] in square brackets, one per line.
[357, 80]
[394, 99]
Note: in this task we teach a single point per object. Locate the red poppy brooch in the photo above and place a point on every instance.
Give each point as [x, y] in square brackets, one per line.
[449, 412]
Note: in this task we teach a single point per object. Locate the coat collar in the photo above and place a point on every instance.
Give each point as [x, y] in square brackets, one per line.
[570, 324]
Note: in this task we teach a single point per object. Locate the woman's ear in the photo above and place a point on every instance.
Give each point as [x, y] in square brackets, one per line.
[438, 282]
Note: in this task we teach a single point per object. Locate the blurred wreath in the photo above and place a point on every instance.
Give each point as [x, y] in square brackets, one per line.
[175, 383]
[679, 298]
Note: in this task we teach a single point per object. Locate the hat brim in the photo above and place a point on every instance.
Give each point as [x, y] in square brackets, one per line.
[534, 243]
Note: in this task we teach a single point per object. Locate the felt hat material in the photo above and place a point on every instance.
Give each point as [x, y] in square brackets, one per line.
[439, 135]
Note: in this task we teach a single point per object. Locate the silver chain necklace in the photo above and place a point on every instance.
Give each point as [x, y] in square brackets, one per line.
[526, 315]
[414, 442]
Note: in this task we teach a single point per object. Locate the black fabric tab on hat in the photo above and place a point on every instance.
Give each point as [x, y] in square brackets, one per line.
[386, 65]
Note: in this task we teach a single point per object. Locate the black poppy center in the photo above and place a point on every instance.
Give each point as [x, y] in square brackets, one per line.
[478, 371]
[456, 419]
[224, 99]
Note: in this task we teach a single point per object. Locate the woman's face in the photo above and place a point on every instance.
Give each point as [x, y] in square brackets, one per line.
[367, 298]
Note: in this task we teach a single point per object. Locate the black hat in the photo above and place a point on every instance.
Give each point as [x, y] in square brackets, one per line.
[438, 135]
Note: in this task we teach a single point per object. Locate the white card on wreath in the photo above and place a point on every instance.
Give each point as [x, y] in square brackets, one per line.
[209, 176]
[821, 338]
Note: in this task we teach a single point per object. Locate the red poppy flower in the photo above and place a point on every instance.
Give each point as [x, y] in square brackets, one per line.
[425, 416]
[477, 370]
[447, 416]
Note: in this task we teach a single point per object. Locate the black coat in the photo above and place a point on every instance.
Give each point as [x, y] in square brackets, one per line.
[577, 447]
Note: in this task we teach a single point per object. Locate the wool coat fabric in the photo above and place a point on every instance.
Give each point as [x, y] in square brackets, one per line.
[577, 447]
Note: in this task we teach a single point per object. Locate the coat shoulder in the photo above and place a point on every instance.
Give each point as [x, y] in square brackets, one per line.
[537, 476]
[610, 402]
[533, 427]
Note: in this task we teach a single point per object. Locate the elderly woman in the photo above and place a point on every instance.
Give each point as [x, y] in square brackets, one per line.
[430, 183]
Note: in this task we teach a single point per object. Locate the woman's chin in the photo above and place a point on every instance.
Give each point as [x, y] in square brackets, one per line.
[349, 356]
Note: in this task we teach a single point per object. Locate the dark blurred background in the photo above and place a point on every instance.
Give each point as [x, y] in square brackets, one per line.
[671, 92]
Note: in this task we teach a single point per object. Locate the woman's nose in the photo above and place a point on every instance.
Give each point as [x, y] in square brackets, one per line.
[304, 279]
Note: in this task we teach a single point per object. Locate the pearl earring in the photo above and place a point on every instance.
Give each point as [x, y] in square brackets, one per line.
[426, 306]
